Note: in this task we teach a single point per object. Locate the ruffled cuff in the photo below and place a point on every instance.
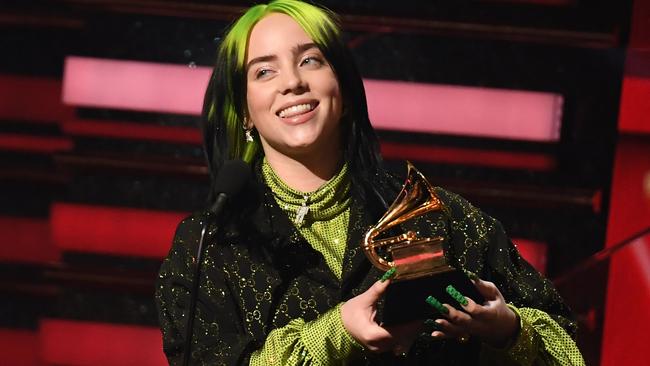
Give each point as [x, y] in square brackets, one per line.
[322, 341]
[540, 338]
[522, 350]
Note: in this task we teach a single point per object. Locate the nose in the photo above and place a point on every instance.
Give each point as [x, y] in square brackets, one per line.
[292, 81]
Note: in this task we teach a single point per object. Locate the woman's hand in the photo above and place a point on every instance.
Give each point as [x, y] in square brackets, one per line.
[358, 315]
[493, 321]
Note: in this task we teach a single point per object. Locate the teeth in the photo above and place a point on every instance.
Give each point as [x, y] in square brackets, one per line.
[295, 110]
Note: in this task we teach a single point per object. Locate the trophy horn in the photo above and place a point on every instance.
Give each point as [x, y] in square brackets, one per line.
[412, 256]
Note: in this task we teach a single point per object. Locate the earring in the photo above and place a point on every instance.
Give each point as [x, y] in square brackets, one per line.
[249, 134]
[248, 131]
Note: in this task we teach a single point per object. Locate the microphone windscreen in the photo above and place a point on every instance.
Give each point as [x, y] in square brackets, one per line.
[232, 177]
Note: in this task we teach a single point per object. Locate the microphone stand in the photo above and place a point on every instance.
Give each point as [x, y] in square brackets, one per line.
[601, 255]
[189, 327]
[215, 210]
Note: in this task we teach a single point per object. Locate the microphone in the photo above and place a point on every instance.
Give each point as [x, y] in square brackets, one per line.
[231, 179]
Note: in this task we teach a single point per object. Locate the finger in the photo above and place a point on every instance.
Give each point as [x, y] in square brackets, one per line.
[378, 288]
[449, 329]
[476, 311]
[439, 335]
[378, 339]
[458, 318]
[487, 289]
[375, 292]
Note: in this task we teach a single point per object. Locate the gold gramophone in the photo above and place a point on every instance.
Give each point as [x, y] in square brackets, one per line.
[422, 267]
[411, 255]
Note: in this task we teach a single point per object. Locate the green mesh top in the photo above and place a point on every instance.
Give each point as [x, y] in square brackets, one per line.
[324, 222]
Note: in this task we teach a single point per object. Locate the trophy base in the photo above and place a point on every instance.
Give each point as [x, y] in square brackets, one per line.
[404, 301]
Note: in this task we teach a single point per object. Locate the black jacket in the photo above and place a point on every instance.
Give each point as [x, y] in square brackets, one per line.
[259, 273]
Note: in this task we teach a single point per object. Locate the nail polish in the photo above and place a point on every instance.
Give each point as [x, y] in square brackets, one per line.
[437, 305]
[456, 295]
[471, 275]
[389, 274]
[431, 325]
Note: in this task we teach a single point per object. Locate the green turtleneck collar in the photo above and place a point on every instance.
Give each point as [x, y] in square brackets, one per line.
[325, 203]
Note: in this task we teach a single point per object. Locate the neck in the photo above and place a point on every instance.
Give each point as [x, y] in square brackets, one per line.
[304, 173]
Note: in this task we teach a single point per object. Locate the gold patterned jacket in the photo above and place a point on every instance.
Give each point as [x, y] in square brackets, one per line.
[259, 274]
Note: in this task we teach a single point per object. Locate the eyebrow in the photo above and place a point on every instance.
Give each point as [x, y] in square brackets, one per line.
[298, 49]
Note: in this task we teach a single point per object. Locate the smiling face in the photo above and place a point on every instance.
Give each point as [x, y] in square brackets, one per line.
[293, 95]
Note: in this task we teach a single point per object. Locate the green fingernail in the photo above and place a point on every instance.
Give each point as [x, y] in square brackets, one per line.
[431, 325]
[472, 276]
[389, 274]
[437, 305]
[456, 295]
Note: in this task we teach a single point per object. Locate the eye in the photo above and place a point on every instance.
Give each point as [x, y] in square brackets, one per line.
[311, 61]
[262, 73]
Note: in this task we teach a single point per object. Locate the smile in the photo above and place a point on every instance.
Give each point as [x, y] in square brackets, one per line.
[297, 109]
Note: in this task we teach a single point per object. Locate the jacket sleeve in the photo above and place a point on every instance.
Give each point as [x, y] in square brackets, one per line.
[541, 341]
[219, 337]
[547, 328]
[322, 341]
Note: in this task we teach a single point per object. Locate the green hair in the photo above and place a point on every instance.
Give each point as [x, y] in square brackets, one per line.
[225, 107]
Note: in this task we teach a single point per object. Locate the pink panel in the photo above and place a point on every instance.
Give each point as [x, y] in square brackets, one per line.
[457, 110]
[66, 342]
[403, 106]
[134, 85]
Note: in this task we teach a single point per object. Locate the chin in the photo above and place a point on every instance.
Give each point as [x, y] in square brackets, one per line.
[301, 149]
[302, 142]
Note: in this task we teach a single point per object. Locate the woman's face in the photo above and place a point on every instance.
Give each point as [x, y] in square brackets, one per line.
[293, 95]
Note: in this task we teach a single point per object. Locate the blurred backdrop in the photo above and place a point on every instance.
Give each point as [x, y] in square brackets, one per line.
[535, 110]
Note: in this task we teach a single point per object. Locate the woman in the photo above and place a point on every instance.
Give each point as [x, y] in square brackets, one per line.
[285, 281]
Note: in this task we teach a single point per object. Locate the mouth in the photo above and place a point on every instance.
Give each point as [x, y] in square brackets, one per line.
[297, 109]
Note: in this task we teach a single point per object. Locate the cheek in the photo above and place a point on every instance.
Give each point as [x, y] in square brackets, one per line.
[333, 85]
[335, 93]
[257, 100]
[337, 100]
[251, 99]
